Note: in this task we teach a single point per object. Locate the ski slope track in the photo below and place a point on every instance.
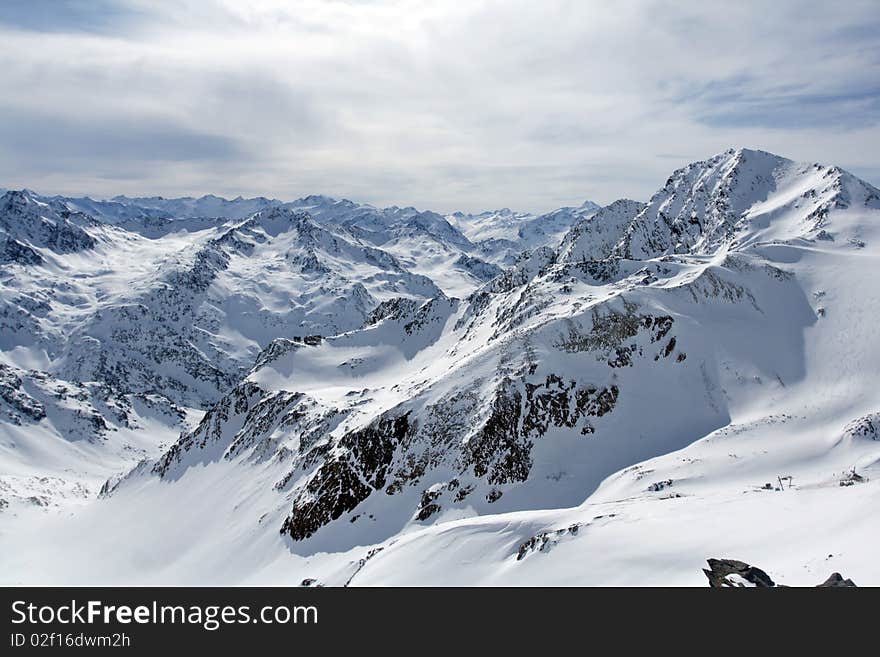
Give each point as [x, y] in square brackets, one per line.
[251, 391]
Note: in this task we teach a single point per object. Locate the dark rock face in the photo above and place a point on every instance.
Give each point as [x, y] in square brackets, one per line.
[724, 573]
[335, 489]
[20, 405]
[493, 495]
[396, 308]
[836, 580]
[427, 505]
[545, 541]
[373, 447]
[343, 482]
[550, 404]
[730, 573]
[866, 427]
[612, 334]
[13, 251]
[500, 453]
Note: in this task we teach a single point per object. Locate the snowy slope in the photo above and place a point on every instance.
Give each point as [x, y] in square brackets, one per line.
[608, 411]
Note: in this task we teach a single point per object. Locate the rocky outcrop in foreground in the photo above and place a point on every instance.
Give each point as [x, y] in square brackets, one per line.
[730, 573]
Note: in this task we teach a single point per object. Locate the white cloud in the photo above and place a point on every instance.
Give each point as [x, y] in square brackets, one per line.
[438, 104]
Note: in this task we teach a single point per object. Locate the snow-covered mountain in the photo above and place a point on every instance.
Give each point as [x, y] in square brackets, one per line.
[122, 208]
[504, 234]
[364, 396]
[162, 305]
[425, 242]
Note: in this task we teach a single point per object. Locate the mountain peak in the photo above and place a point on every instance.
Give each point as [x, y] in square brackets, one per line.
[33, 224]
[277, 219]
[742, 191]
[315, 199]
[594, 236]
[17, 197]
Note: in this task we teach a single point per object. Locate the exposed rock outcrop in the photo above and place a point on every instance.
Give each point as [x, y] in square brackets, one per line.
[730, 573]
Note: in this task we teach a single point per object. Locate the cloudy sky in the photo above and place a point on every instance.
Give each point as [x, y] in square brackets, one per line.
[443, 105]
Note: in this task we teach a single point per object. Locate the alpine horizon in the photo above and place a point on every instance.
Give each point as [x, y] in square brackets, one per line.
[321, 392]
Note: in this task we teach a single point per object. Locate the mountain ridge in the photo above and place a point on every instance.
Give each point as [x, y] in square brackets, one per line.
[601, 377]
